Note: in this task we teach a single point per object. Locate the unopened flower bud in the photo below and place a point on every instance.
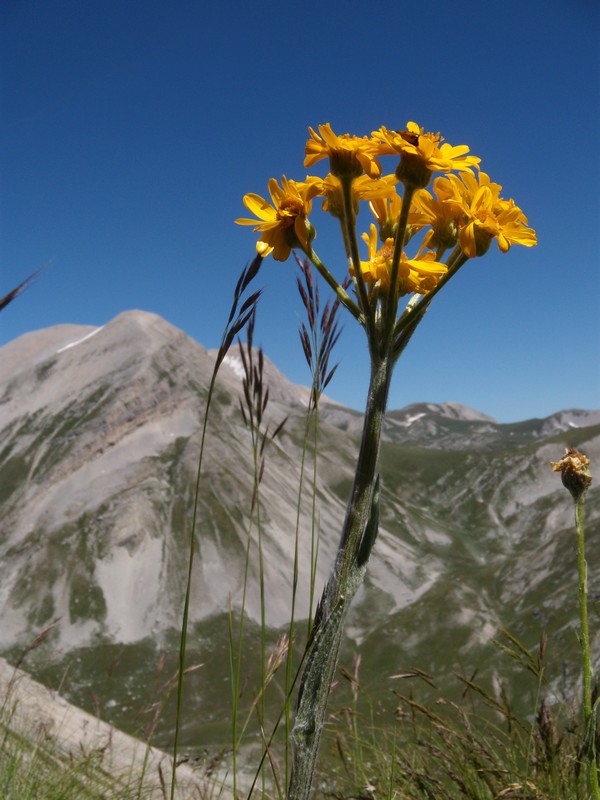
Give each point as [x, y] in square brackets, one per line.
[344, 164]
[412, 171]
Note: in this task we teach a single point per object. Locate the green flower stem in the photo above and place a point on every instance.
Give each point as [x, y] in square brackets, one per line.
[588, 716]
[585, 638]
[343, 296]
[456, 255]
[414, 313]
[186, 603]
[392, 299]
[439, 253]
[349, 233]
[358, 536]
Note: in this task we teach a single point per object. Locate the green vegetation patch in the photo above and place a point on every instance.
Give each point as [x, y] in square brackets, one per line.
[43, 370]
[13, 475]
[86, 599]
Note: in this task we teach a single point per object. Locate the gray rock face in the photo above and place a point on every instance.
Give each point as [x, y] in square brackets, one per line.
[99, 436]
[100, 433]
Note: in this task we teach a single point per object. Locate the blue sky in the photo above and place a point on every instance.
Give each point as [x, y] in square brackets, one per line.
[131, 130]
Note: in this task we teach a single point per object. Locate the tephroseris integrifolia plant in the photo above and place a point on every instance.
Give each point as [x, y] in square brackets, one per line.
[389, 294]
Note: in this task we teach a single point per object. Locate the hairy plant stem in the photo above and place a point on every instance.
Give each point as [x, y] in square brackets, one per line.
[589, 716]
[358, 536]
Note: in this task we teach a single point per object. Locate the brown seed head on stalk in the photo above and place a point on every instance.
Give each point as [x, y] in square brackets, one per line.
[575, 473]
[323, 332]
[255, 397]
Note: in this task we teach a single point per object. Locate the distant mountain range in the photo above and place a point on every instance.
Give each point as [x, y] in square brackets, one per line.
[99, 444]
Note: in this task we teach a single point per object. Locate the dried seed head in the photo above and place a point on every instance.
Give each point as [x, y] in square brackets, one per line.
[575, 473]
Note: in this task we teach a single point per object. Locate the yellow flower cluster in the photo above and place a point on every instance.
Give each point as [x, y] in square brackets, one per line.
[414, 274]
[465, 211]
[470, 208]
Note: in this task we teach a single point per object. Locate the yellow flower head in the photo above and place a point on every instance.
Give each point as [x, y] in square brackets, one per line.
[414, 274]
[284, 224]
[349, 156]
[486, 215]
[443, 216]
[386, 211]
[363, 188]
[461, 189]
[421, 154]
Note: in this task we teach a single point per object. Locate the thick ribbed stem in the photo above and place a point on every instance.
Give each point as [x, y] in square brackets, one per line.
[358, 536]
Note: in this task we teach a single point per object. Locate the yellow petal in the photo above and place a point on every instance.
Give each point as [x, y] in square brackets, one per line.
[244, 221]
[467, 240]
[259, 206]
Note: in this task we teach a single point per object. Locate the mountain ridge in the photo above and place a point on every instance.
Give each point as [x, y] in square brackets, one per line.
[44, 343]
[99, 442]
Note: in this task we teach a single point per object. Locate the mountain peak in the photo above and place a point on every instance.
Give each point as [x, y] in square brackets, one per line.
[449, 410]
[99, 436]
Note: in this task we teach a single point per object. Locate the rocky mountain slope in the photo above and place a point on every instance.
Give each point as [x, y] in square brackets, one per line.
[99, 444]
